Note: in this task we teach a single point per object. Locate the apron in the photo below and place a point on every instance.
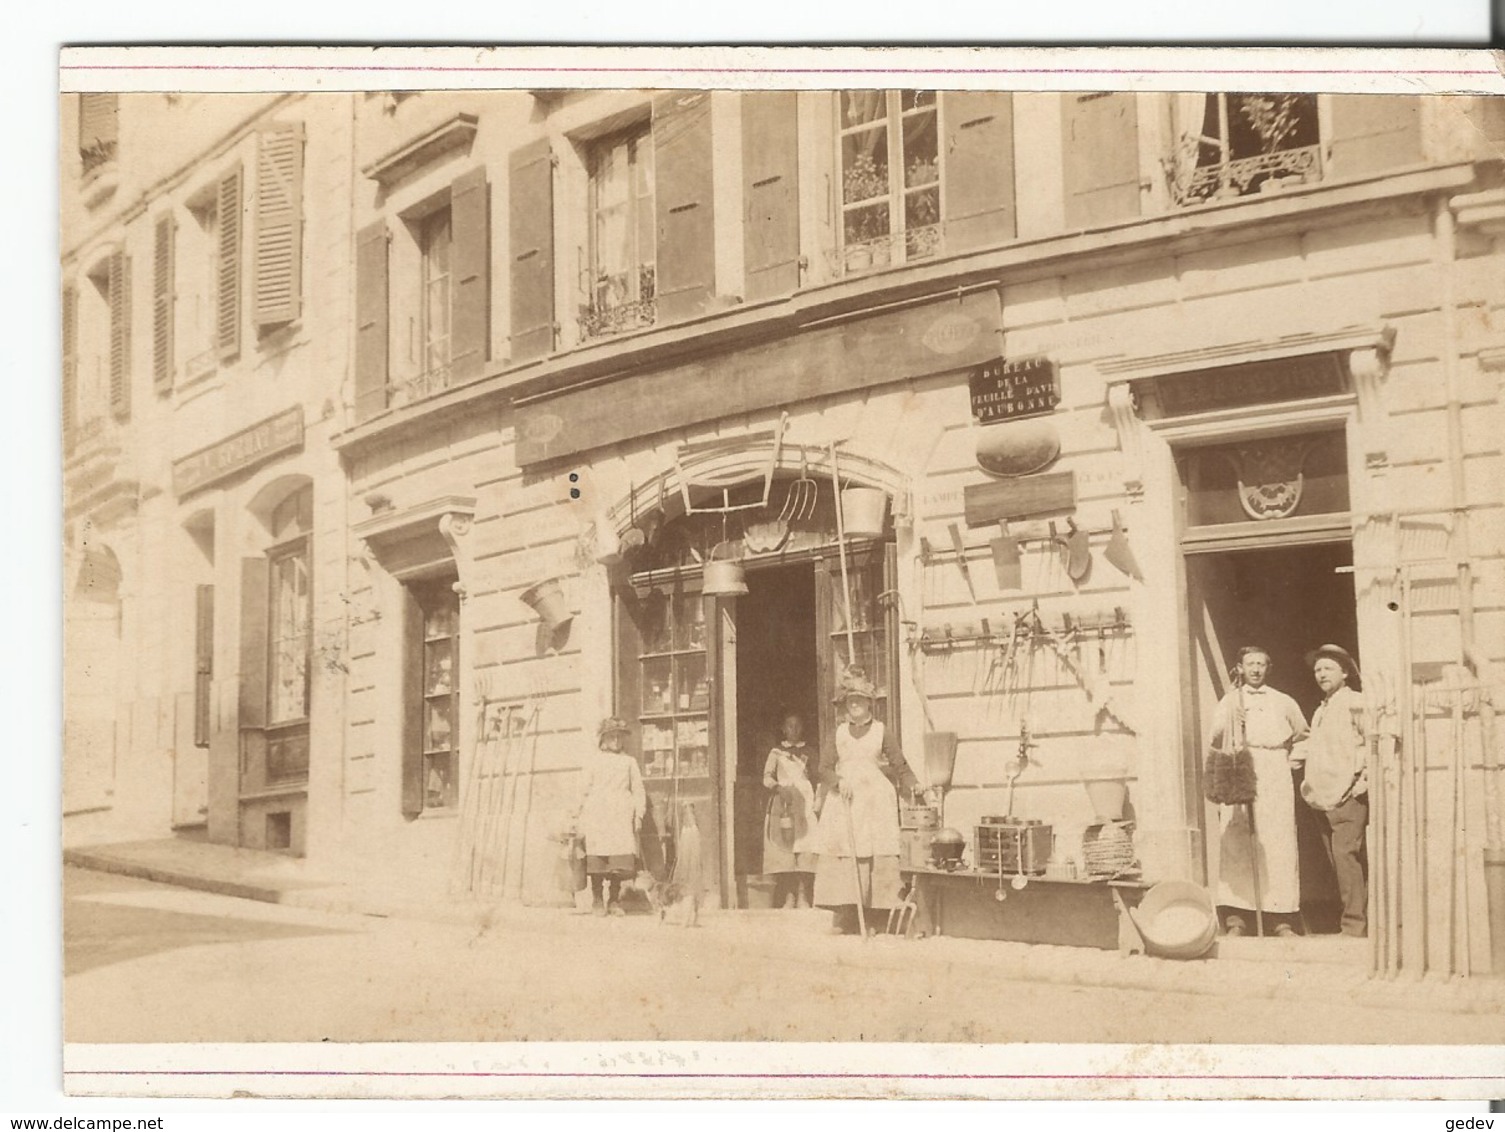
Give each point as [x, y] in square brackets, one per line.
[1275, 841]
[612, 805]
[874, 807]
[782, 852]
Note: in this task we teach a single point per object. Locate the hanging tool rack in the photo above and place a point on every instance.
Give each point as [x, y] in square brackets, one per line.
[930, 555]
[1026, 626]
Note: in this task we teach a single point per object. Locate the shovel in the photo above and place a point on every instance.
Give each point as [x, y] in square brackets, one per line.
[1118, 552]
[961, 559]
[1078, 552]
[1006, 560]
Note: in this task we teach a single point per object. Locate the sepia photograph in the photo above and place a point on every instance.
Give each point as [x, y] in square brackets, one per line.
[794, 558]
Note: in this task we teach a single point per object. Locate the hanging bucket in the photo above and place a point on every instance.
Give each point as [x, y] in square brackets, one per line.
[863, 510]
[547, 600]
[608, 544]
[1108, 797]
[724, 577]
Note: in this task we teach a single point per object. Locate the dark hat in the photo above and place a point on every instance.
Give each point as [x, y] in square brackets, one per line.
[1334, 652]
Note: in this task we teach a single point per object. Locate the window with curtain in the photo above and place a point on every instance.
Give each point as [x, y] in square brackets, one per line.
[890, 177]
[620, 277]
[1233, 145]
[435, 241]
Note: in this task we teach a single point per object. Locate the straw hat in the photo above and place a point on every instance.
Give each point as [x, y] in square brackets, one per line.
[854, 682]
[1337, 653]
[612, 725]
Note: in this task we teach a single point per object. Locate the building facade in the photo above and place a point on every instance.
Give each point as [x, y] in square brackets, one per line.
[1110, 384]
[206, 342]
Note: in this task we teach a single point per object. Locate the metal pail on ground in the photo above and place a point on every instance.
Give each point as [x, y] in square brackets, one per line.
[1178, 919]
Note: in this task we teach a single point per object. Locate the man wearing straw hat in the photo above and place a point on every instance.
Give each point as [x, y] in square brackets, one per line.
[858, 833]
[1336, 781]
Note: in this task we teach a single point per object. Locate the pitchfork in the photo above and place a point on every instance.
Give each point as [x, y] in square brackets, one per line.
[799, 504]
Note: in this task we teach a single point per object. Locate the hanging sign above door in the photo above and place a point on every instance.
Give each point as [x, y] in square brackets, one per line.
[1008, 389]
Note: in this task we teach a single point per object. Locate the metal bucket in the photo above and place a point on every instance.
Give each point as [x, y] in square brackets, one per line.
[863, 511]
[1177, 919]
[723, 577]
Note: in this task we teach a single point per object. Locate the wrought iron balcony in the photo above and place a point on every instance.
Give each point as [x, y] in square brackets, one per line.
[1245, 175]
[600, 321]
[426, 384]
[857, 256]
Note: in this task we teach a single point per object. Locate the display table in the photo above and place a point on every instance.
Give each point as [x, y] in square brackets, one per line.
[1076, 913]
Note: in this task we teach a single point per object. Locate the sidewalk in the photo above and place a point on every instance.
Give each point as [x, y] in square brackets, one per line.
[1297, 970]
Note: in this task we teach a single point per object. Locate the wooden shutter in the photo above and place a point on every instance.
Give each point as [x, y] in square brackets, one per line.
[770, 192]
[979, 168]
[254, 582]
[412, 704]
[1373, 132]
[164, 238]
[203, 662]
[227, 285]
[1101, 140]
[279, 224]
[686, 250]
[530, 235]
[98, 120]
[371, 320]
[70, 360]
[120, 335]
[470, 221]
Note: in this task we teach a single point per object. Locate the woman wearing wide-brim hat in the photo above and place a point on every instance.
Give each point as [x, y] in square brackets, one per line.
[858, 832]
[611, 806]
[1336, 782]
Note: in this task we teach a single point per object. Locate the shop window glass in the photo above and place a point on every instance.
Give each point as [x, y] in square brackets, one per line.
[1264, 479]
[438, 661]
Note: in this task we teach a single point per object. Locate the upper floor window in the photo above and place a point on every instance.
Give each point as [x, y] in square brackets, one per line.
[621, 275]
[98, 130]
[435, 239]
[1232, 145]
[890, 176]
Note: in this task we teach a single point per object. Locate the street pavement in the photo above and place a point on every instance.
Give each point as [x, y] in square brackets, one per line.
[147, 962]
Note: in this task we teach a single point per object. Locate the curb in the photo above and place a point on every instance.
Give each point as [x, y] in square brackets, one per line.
[1071, 967]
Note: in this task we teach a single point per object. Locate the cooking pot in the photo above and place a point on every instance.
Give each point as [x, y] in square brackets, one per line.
[946, 849]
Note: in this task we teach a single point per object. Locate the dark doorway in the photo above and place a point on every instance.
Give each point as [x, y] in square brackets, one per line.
[777, 673]
[1288, 600]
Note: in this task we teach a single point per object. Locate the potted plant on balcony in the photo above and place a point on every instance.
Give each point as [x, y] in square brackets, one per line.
[1274, 118]
[864, 229]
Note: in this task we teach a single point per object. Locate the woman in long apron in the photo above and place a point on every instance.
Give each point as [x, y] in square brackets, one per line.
[858, 831]
[611, 805]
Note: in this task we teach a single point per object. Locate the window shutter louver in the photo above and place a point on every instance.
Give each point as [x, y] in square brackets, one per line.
[979, 168]
[227, 285]
[371, 320]
[686, 251]
[162, 303]
[530, 235]
[98, 121]
[254, 582]
[70, 361]
[279, 224]
[770, 171]
[203, 662]
[1373, 132]
[120, 335]
[1101, 141]
[470, 221]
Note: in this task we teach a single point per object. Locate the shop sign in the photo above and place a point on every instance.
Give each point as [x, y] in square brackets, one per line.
[1254, 383]
[238, 453]
[1009, 389]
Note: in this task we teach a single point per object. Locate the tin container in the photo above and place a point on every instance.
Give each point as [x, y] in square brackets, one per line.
[1011, 846]
[913, 816]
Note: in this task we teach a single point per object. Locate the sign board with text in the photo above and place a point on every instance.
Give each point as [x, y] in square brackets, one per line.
[238, 453]
[1007, 390]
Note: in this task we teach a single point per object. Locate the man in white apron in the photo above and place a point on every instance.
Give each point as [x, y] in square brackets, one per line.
[1269, 724]
[858, 832]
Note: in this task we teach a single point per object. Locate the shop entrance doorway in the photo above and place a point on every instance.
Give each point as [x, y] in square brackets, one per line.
[1288, 600]
[778, 673]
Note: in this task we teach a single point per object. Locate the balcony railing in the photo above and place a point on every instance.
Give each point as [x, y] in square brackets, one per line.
[1245, 175]
[857, 256]
[598, 322]
[426, 384]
